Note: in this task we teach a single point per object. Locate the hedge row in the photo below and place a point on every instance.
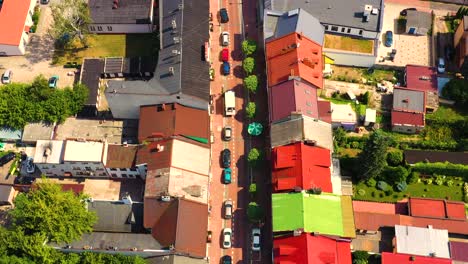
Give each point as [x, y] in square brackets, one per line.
[442, 168]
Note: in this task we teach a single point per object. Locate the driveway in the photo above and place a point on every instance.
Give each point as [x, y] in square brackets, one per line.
[38, 57]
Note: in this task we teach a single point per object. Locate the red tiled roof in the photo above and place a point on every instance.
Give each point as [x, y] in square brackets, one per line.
[324, 109]
[407, 118]
[459, 251]
[437, 208]
[12, 20]
[167, 120]
[373, 207]
[311, 249]
[294, 55]
[393, 258]
[293, 96]
[421, 78]
[300, 165]
[455, 210]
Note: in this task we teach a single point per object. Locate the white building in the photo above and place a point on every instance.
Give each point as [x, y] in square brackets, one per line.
[371, 116]
[420, 241]
[15, 21]
[343, 115]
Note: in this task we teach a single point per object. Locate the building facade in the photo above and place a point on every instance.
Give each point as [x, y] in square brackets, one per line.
[15, 22]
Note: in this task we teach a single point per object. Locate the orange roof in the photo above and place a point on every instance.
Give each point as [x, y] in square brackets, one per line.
[294, 55]
[372, 207]
[436, 208]
[12, 21]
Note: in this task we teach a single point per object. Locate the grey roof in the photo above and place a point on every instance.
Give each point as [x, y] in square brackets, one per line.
[408, 100]
[116, 216]
[174, 259]
[10, 134]
[128, 12]
[33, 132]
[300, 21]
[334, 12]
[90, 75]
[418, 19]
[181, 51]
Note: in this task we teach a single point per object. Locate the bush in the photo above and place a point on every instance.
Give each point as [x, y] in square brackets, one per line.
[249, 65]
[250, 110]
[360, 255]
[355, 145]
[439, 180]
[249, 47]
[395, 158]
[388, 192]
[362, 192]
[442, 168]
[449, 183]
[413, 177]
[373, 194]
[371, 182]
[396, 174]
[381, 195]
[429, 181]
[381, 185]
[401, 186]
[251, 83]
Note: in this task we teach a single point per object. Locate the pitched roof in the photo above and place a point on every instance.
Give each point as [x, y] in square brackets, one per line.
[116, 216]
[382, 208]
[170, 83]
[459, 251]
[407, 118]
[408, 100]
[436, 208]
[324, 109]
[422, 241]
[293, 96]
[326, 213]
[391, 258]
[333, 12]
[300, 165]
[121, 156]
[168, 120]
[90, 74]
[181, 223]
[13, 16]
[294, 55]
[127, 12]
[415, 156]
[309, 248]
[421, 78]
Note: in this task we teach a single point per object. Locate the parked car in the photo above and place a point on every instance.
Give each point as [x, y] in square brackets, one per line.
[228, 209]
[388, 38]
[227, 133]
[226, 259]
[7, 158]
[225, 54]
[6, 77]
[256, 239]
[226, 156]
[404, 12]
[224, 15]
[227, 234]
[44, 2]
[30, 166]
[441, 65]
[227, 175]
[225, 38]
[53, 81]
[226, 68]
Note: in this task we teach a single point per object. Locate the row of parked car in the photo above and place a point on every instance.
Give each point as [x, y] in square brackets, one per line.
[8, 75]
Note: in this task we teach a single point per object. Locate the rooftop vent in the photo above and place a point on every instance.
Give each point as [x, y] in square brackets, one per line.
[176, 39]
[47, 152]
[375, 11]
[175, 52]
[293, 12]
[181, 6]
[171, 70]
[174, 24]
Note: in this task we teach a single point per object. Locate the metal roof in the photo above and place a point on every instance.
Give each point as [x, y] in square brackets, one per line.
[90, 75]
[422, 241]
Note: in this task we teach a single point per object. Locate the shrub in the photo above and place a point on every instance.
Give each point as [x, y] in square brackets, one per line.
[439, 180]
[355, 144]
[373, 194]
[249, 65]
[371, 182]
[389, 192]
[413, 177]
[381, 195]
[429, 181]
[249, 46]
[442, 168]
[396, 174]
[395, 158]
[362, 192]
[381, 185]
[449, 183]
[401, 186]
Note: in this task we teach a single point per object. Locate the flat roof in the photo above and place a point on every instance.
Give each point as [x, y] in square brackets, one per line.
[13, 16]
[91, 151]
[49, 151]
[408, 100]
[37, 131]
[127, 12]
[371, 115]
[422, 241]
[343, 113]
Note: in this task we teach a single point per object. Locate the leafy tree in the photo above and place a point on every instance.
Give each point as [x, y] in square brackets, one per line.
[255, 213]
[372, 158]
[360, 257]
[254, 156]
[365, 97]
[249, 47]
[56, 215]
[396, 174]
[413, 177]
[250, 110]
[249, 65]
[394, 158]
[456, 90]
[339, 137]
[251, 83]
[253, 188]
[71, 20]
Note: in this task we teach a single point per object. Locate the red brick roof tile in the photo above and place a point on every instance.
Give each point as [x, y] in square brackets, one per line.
[407, 118]
[421, 78]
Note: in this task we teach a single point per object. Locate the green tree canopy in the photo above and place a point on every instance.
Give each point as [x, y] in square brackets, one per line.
[249, 65]
[250, 110]
[372, 158]
[249, 47]
[59, 216]
[456, 90]
[70, 21]
[251, 83]
[396, 174]
[254, 156]
[255, 213]
[395, 158]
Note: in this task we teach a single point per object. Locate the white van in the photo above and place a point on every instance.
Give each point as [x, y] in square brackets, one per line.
[7, 75]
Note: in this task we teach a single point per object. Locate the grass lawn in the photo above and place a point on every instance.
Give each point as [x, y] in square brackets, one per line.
[414, 190]
[114, 45]
[446, 113]
[349, 44]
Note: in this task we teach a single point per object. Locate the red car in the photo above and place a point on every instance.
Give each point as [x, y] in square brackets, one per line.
[225, 54]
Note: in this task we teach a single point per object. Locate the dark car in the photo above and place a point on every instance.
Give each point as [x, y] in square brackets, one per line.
[227, 176]
[226, 68]
[388, 38]
[404, 12]
[226, 156]
[7, 158]
[226, 259]
[224, 15]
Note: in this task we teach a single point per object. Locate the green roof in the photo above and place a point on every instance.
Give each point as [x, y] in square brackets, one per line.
[313, 213]
[198, 139]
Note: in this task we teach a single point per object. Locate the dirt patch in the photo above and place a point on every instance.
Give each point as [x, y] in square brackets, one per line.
[349, 44]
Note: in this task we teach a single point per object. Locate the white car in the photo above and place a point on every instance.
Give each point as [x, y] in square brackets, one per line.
[30, 167]
[225, 38]
[6, 77]
[227, 234]
[441, 65]
[256, 239]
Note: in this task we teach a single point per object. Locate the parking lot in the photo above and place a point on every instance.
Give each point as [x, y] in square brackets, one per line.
[38, 57]
[411, 49]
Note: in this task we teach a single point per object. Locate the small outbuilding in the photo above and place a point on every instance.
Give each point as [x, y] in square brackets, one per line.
[418, 23]
[371, 116]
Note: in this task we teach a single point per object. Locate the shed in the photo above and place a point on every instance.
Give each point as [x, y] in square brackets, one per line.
[371, 116]
[418, 23]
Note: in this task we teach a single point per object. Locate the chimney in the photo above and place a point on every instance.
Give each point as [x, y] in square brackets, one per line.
[126, 199]
[163, 107]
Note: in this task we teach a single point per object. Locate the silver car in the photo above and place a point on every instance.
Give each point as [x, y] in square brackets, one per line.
[227, 234]
[256, 239]
[228, 209]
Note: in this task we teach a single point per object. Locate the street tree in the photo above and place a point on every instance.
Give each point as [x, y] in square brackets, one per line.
[249, 65]
[254, 156]
[70, 21]
[250, 110]
[251, 83]
[249, 47]
[255, 212]
[372, 158]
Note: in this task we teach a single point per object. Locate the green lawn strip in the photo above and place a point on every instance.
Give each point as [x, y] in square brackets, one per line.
[445, 113]
[348, 43]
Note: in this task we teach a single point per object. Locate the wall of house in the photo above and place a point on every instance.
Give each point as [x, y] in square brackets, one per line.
[408, 129]
[9, 50]
[130, 173]
[120, 28]
[77, 169]
[351, 58]
[350, 31]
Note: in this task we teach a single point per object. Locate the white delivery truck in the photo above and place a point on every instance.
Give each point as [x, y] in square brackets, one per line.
[229, 103]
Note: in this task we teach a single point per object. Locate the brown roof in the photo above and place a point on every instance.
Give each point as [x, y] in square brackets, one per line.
[182, 223]
[415, 156]
[120, 156]
[324, 109]
[173, 119]
[156, 154]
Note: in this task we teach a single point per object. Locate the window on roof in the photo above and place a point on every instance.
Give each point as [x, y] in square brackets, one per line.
[326, 27]
[109, 28]
[343, 29]
[360, 32]
[114, 175]
[334, 28]
[92, 28]
[99, 28]
[349, 30]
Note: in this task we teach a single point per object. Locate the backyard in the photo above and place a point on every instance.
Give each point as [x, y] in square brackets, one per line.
[363, 75]
[112, 45]
[349, 44]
